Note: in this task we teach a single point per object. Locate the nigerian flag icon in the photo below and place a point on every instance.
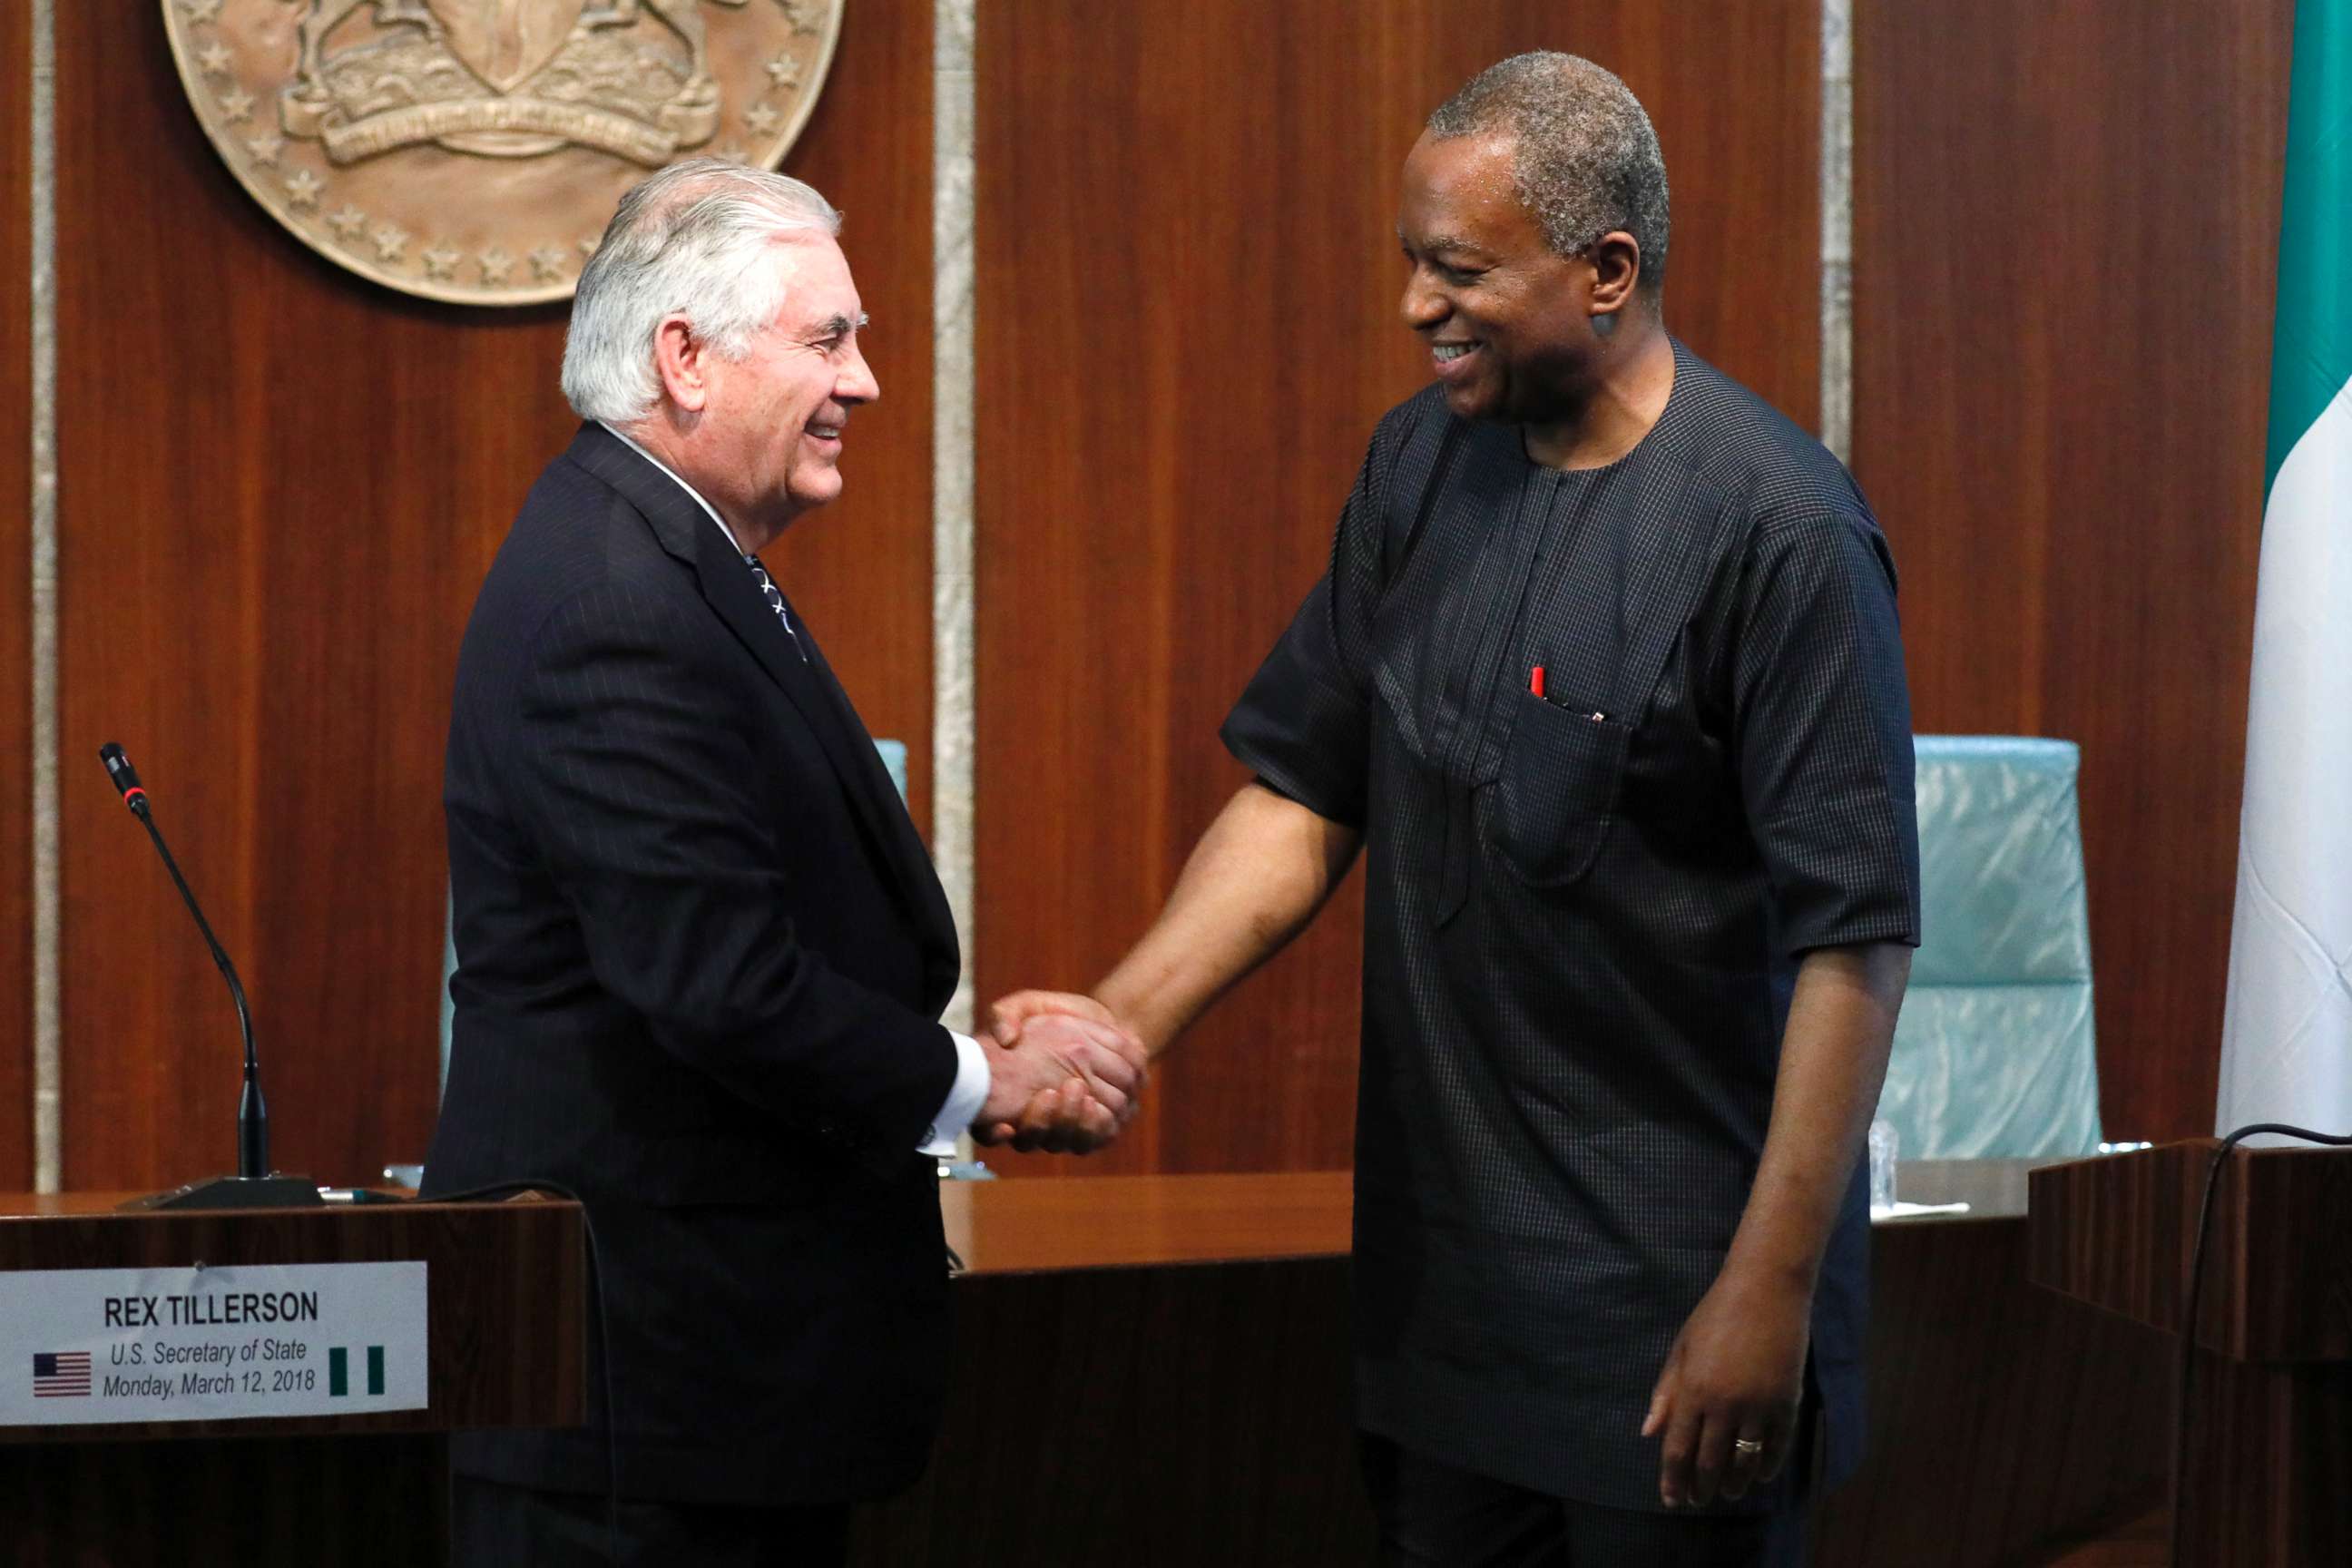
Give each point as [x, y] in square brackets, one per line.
[2286, 1039]
[339, 1371]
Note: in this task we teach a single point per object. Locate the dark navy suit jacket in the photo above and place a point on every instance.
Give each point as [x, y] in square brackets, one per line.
[701, 956]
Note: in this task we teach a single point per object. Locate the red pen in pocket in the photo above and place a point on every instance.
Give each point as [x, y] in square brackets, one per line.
[1535, 681]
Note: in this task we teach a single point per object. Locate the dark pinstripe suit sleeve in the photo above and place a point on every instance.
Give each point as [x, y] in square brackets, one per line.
[638, 782]
[1823, 725]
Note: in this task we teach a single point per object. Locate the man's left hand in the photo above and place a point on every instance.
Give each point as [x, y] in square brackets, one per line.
[1728, 1399]
[1080, 1109]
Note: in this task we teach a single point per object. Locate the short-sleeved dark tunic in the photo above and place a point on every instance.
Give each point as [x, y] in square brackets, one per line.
[1584, 910]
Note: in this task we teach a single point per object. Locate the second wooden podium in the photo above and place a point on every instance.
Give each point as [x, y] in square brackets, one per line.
[2269, 1469]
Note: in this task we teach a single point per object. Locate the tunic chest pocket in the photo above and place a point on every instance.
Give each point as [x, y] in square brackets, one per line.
[1557, 789]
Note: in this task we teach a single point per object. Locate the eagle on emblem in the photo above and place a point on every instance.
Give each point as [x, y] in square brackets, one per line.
[533, 76]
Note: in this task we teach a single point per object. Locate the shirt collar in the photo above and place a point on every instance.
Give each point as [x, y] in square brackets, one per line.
[624, 437]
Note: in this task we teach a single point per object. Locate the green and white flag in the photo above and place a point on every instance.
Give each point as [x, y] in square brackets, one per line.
[2286, 1046]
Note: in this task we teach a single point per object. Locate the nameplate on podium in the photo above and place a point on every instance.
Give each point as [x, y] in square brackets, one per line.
[86, 1347]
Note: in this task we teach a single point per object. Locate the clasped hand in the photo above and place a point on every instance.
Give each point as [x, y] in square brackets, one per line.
[1063, 1075]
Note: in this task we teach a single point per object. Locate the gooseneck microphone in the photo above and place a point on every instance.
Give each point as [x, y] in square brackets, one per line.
[253, 1186]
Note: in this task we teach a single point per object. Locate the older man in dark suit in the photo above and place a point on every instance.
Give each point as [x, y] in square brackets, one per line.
[702, 952]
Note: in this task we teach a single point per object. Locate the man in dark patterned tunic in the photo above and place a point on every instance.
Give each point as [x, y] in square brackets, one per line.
[1605, 681]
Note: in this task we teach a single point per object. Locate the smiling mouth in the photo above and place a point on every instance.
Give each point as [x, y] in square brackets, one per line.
[1446, 353]
[825, 432]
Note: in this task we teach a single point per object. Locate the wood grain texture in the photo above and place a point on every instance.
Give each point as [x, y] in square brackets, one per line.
[15, 599]
[228, 1505]
[1211, 1427]
[2137, 1542]
[281, 488]
[506, 1294]
[2120, 1233]
[2270, 1465]
[2064, 240]
[507, 1299]
[2047, 1416]
[2269, 1422]
[860, 570]
[1114, 1221]
[1187, 289]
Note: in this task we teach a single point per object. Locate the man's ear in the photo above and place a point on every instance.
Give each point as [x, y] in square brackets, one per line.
[1616, 260]
[682, 359]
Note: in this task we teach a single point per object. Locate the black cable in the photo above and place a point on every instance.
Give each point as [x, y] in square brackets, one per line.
[2196, 1293]
[603, 1333]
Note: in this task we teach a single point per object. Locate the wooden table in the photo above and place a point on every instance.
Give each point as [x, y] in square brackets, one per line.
[1148, 1370]
[1154, 1370]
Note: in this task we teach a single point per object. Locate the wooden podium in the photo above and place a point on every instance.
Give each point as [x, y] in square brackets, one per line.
[2269, 1472]
[505, 1299]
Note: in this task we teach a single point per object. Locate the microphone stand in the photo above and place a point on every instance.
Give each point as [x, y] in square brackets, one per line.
[254, 1185]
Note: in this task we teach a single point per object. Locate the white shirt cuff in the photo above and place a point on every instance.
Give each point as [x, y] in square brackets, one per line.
[964, 1099]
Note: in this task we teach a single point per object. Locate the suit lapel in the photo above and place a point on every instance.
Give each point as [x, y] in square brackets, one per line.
[886, 816]
[687, 533]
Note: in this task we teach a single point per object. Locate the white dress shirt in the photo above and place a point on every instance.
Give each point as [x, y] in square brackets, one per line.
[969, 1091]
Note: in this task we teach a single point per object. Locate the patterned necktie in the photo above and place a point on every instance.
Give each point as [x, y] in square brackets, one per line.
[775, 597]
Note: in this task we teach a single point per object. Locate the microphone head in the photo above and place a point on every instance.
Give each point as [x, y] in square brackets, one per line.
[125, 776]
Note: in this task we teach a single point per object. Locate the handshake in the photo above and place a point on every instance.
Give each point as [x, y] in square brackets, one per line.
[1064, 1076]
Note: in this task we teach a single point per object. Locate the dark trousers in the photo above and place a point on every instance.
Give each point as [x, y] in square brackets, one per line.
[1433, 1516]
[492, 1525]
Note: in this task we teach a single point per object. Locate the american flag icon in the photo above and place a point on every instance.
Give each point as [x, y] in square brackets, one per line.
[61, 1374]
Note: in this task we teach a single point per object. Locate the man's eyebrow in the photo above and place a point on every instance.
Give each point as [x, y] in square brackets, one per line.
[1438, 245]
[842, 326]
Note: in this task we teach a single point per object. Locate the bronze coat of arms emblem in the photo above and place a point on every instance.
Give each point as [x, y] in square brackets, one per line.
[472, 149]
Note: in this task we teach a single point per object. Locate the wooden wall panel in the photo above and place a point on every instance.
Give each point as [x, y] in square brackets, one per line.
[281, 487]
[1186, 326]
[861, 569]
[2064, 240]
[16, 600]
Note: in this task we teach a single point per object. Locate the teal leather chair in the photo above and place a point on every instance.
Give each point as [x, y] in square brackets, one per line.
[1994, 1056]
[894, 757]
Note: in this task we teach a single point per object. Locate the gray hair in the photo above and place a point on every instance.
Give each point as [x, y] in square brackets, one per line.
[1584, 155]
[691, 240]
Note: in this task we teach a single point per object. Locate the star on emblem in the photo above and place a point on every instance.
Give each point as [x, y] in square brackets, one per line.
[495, 264]
[733, 153]
[589, 244]
[763, 119]
[391, 240]
[215, 58]
[807, 16]
[237, 106]
[200, 12]
[547, 264]
[265, 148]
[784, 71]
[302, 188]
[347, 223]
[441, 264]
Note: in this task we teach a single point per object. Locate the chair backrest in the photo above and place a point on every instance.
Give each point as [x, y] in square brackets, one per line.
[1994, 1056]
[894, 757]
